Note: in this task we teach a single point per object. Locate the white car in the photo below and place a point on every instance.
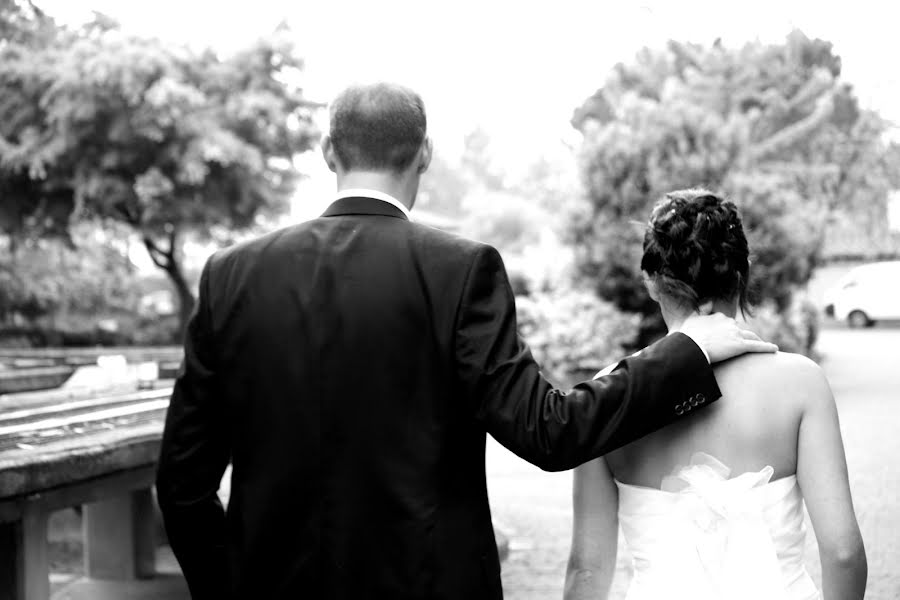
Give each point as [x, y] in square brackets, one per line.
[866, 294]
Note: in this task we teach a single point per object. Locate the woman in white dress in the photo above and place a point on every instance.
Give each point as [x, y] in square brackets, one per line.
[711, 507]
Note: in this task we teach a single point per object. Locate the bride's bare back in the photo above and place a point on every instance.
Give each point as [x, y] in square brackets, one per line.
[776, 410]
[755, 424]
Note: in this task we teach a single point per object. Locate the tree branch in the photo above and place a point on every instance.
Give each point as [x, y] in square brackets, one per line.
[843, 177]
[794, 132]
[160, 258]
[164, 258]
[128, 215]
[818, 84]
[173, 238]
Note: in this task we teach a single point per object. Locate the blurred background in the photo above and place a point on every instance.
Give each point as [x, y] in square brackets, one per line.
[137, 138]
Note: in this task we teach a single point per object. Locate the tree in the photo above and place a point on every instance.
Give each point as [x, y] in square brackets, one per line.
[442, 188]
[47, 278]
[772, 126]
[864, 169]
[22, 21]
[478, 162]
[446, 184]
[32, 203]
[170, 142]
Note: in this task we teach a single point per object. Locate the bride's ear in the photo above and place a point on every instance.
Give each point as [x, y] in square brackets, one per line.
[650, 284]
[706, 308]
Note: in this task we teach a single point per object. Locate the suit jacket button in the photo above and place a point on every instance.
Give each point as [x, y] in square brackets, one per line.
[678, 410]
[695, 400]
[700, 398]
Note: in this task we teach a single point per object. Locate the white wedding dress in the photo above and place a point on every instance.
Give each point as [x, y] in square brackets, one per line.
[704, 536]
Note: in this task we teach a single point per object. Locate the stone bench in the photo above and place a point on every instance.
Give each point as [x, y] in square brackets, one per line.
[88, 356]
[74, 459]
[32, 379]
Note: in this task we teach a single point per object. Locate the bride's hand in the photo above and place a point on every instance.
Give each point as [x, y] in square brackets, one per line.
[721, 338]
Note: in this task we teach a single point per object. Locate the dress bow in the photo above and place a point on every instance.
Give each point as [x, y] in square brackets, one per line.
[730, 535]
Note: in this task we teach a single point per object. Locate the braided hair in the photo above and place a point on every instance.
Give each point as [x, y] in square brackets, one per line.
[695, 249]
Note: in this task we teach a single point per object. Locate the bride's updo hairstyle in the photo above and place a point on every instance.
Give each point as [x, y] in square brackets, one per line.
[695, 249]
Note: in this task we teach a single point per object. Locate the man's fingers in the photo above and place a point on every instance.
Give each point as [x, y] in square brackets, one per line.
[759, 346]
[749, 335]
[756, 343]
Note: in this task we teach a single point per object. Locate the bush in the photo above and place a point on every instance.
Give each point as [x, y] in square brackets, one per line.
[82, 330]
[159, 331]
[20, 336]
[796, 329]
[572, 333]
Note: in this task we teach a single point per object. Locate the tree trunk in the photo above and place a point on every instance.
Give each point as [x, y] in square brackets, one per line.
[166, 258]
[186, 300]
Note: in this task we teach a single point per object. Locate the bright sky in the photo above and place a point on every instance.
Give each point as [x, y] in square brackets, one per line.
[515, 68]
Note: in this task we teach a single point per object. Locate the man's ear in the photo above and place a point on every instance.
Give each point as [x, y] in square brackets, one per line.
[328, 153]
[425, 156]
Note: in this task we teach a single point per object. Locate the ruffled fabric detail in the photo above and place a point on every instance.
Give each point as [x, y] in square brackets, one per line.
[703, 535]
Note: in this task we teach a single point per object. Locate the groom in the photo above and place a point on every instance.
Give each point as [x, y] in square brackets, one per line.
[349, 368]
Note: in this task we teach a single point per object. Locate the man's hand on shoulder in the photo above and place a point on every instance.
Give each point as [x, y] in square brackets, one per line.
[721, 338]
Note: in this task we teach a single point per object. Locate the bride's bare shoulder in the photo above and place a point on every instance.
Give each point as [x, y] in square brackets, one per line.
[774, 362]
[783, 371]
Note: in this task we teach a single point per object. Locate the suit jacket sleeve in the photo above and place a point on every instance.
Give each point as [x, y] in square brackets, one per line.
[193, 458]
[550, 428]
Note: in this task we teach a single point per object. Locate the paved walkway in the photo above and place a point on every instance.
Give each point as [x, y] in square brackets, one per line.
[862, 365]
[864, 370]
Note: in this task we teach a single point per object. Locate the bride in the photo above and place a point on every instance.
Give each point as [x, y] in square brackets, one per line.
[711, 507]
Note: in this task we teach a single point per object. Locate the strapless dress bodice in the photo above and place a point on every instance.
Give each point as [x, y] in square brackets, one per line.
[704, 535]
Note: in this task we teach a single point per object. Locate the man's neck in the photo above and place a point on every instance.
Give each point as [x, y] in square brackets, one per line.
[386, 183]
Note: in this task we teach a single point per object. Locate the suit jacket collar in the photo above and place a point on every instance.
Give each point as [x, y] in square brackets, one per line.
[360, 205]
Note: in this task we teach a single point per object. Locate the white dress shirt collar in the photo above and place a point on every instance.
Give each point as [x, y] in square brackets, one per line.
[365, 193]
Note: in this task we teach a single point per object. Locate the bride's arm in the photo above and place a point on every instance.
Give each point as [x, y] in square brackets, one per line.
[822, 474]
[595, 533]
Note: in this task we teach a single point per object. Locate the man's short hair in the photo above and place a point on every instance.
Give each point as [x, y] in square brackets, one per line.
[377, 127]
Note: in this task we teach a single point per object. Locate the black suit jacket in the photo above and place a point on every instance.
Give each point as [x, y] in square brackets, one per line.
[349, 368]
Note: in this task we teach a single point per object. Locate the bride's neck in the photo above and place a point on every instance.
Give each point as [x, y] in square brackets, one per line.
[675, 315]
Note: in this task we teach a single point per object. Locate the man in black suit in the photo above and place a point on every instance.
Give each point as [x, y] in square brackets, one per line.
[349, 368]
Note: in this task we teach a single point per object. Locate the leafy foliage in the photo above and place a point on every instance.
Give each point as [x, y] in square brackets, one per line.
[100, 124]
[572, 333]
[442, 188]
[22, 21]
[505, 220]
[773, 126]
[45, 277]
[794, 329]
